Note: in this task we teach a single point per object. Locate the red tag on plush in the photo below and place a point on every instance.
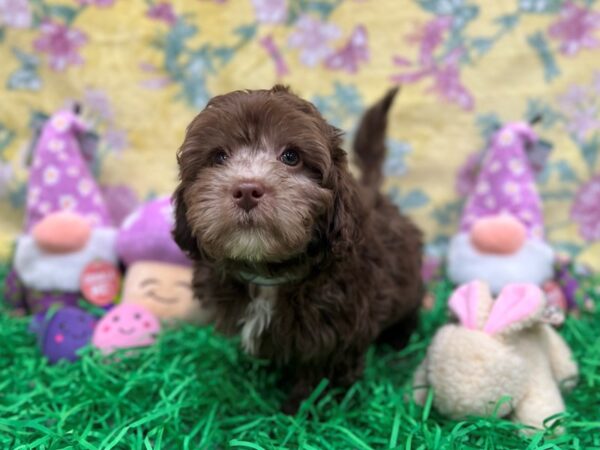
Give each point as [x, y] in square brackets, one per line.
[556, 306]
[100, 283]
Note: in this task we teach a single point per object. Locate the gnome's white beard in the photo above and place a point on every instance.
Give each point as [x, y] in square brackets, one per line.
[45, 271]
[531, 264]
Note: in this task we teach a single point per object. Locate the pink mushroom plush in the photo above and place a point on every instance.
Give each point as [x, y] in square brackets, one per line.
[126, 326]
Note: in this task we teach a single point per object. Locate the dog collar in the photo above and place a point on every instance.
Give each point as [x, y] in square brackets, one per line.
[267, 281]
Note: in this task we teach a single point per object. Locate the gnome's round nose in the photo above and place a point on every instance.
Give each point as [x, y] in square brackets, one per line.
[62, 232]
[500, 234]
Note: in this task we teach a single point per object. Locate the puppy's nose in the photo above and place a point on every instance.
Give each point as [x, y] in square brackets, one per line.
[247, 195]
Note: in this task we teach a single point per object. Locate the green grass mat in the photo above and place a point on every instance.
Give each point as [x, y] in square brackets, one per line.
[195, 390]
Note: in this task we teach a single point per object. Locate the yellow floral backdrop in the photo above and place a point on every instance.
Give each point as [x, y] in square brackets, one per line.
[142, 69]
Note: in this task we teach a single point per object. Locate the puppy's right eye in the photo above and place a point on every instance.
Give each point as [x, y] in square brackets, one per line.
[219, 157]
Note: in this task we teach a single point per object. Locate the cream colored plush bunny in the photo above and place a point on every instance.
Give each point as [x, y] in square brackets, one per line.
[499, 348]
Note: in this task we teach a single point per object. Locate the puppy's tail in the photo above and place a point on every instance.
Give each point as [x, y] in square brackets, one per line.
[369, 142]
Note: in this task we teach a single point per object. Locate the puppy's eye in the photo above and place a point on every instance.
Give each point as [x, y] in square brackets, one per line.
[290, 157]
[220, 156]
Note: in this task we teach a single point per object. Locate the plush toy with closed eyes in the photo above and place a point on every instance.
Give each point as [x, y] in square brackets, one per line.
[158, 275]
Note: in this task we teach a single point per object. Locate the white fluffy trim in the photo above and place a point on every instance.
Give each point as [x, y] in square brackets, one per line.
[49, 271]
[531, 264]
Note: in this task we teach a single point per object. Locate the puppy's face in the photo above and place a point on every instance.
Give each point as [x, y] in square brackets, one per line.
[257, 172]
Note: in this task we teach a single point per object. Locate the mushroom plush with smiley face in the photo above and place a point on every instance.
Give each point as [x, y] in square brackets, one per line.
[158, 275]
[125, 326]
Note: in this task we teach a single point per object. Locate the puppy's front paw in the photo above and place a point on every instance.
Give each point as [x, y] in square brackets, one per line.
[299, 392]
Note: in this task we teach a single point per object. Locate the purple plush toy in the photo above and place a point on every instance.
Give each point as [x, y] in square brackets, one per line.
[67, 224]
[159, 275]
[62, 334]
[501, 239]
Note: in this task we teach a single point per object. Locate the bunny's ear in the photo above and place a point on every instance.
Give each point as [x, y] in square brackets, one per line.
[517, 307]
[471, 303]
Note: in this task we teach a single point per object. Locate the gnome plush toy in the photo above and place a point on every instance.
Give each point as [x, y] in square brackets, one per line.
[158, 275]
[501, 238]
[67, 224]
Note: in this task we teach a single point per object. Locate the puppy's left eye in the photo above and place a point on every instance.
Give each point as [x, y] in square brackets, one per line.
[220, 156]
[290, 157]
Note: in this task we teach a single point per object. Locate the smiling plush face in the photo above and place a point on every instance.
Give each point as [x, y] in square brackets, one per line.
[165, 290]
[68, 330]
[126, 326]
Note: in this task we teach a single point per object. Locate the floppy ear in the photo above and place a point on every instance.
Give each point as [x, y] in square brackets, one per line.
[345, 219]
[182, 233]
[518, 306]
[471, 304]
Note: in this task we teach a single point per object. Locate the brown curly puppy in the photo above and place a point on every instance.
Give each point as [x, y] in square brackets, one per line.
[306, 264]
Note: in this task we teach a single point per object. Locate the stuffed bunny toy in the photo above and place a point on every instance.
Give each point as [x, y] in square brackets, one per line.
[499, 348]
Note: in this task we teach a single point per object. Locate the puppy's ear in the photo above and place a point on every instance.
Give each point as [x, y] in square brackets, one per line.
[182, 233]
[345, 220]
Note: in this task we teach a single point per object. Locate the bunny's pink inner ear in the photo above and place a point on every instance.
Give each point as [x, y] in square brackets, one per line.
[516, 304]
[464, 303]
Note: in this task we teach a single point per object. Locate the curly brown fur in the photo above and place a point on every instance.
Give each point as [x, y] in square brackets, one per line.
[344, 261]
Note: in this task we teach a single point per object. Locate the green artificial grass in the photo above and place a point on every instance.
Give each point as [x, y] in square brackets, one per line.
[196, 390]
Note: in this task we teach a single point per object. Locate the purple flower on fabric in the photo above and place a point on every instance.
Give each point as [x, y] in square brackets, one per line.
[586, 209]
[447, 83]
[15, 13]
[352, 53]
[444, 72]
[98, 103]
[466, 178]
[121, 201]
[581, 108]
[163, 12]
[158, 82]
[116, 139]
[313, 38]
[575, 28]
[270, 11]
[6, 176]
[98, 3]
[60, 43]
[430, 37]
[270, 46]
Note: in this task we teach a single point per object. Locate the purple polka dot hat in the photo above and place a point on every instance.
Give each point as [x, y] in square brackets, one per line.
[59, 179]
[145, 235]
[506, 184]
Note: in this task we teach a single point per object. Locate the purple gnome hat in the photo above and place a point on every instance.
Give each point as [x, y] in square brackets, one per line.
[506, 184]
[59, 178]
[146, 235]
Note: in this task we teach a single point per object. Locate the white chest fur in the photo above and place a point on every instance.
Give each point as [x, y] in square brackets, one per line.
[257, 317]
